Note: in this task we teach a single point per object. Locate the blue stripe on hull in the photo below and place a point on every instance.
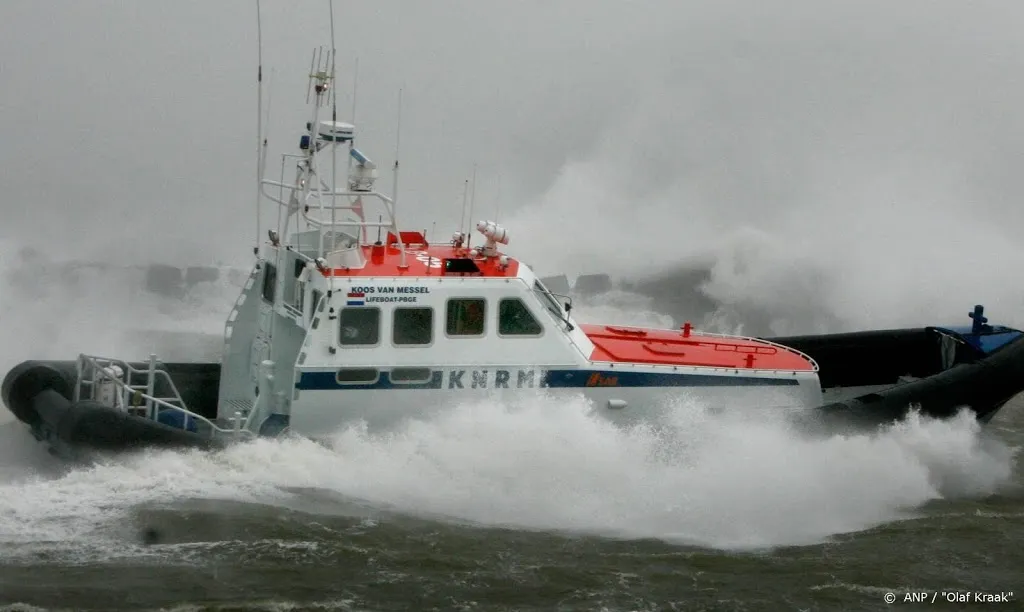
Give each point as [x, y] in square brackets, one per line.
[579, 378]
[504, 378]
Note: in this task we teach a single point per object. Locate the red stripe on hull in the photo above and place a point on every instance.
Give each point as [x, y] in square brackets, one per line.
[667, 347]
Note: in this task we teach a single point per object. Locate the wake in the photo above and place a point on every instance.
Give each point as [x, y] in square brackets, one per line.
[720, 479]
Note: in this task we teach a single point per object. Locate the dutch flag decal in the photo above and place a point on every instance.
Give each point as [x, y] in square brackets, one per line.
[355, 298]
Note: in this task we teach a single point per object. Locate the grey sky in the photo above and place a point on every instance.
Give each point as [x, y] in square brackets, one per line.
[852, 143]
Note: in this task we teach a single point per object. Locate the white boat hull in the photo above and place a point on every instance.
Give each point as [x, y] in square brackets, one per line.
[319, 412]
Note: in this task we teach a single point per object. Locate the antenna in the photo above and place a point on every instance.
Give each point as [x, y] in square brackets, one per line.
[318, 72]
[394, 184]
[355, 88]
[472, 201]
[263, 163]
[266, 116]
[260, 144]
[497, 206]
[334, 147]
[351, 148]
[465, 199]
[398, 127]
[312, 64]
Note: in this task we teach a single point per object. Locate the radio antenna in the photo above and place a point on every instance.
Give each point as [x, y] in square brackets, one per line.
[260, 144]
[465, 200]
[351, 147]
[398, 143]
[334, 148]
[355, 87]
[497, 208]
[472, 202]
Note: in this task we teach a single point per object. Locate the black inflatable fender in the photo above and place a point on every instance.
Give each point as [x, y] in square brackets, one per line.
[40, 395]
[984, 386]
[26, 380]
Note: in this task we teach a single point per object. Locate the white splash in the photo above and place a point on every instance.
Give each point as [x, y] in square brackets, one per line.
[718, 479]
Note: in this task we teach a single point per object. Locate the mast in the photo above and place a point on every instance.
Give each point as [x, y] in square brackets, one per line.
[394, 177]
[260, 144]
[352, 144]
[334, 149]
[310, 183]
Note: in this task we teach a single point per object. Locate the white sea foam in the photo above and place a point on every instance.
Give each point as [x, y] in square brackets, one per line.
[728, 479]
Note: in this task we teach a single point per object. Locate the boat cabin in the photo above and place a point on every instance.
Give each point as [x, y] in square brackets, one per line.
[444, 307]
[403, 308]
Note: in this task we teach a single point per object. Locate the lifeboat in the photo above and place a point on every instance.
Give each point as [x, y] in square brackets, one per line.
[345, 317]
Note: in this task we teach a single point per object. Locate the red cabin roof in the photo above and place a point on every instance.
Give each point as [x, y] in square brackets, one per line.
[668, 347]
[425, 260]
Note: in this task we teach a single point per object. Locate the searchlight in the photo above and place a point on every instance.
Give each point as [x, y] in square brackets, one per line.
[495, 234]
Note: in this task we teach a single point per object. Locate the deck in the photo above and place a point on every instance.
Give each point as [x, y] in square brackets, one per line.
[678, 348]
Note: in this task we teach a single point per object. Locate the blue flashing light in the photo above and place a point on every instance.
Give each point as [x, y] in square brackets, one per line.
[358, 156]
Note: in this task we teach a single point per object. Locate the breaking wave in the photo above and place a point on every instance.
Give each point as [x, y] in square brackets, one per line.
[722, 479]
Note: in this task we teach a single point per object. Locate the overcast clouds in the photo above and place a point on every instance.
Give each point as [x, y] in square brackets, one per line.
[812, 148]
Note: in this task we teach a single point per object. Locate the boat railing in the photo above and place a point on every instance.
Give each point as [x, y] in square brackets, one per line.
[323, 225]
[775, 345]
[132, 389]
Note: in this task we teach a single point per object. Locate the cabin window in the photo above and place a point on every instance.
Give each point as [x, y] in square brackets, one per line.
[465, 317]
[358, 326]
[269, 281]
[413, 326]
[411, 376]
[299, 291]
[315, 299]
[515, 319]
[356, 376]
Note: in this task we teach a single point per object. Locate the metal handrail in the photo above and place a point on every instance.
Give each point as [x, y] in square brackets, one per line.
[776, 345]
[99, 373]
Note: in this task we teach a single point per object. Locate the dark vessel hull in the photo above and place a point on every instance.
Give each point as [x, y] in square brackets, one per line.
[875, 377]
[868, 377]
[41, 395]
